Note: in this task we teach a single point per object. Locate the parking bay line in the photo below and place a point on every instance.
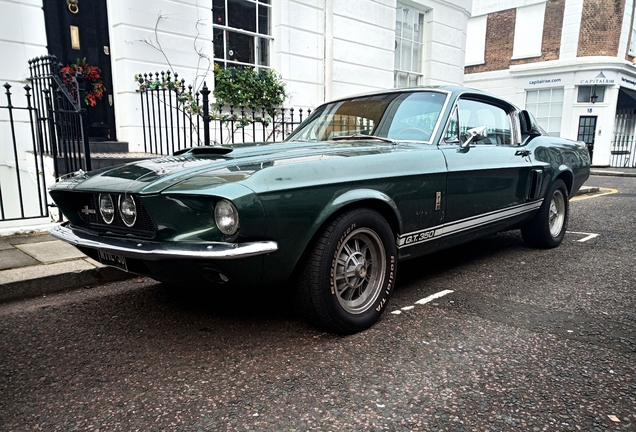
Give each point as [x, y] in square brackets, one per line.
[588, 236]
[606, 191]
[424, 301]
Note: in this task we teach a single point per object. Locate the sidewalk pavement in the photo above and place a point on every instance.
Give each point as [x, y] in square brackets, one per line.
[37, 264]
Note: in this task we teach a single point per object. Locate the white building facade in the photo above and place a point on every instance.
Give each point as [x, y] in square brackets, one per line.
[322, 49]
[569, 62]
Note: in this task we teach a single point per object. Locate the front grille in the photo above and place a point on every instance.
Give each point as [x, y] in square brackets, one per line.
[88, 210]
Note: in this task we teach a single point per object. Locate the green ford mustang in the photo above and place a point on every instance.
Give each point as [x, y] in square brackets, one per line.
[361, 185]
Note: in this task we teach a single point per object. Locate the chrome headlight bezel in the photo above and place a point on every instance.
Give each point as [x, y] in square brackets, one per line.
[226, 217]
[106, 208]
[127, 208]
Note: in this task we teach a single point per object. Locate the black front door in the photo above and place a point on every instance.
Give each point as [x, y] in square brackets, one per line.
[587, 132]
[79, 30]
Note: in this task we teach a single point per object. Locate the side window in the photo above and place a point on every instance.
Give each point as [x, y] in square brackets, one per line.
[473, 114]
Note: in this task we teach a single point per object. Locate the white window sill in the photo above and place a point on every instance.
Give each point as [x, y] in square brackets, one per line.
[526, 56]
[475, 64]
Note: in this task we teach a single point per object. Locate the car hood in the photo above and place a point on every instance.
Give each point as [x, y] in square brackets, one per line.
[208, 167]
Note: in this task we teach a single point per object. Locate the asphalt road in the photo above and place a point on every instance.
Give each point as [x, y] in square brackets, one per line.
[530, 340]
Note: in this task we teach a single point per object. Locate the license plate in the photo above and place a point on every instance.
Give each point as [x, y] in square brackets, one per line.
[113, 260]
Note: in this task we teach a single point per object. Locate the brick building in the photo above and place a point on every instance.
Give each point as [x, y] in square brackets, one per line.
[569, 62]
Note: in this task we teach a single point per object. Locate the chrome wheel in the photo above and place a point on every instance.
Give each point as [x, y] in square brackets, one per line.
[557, 213]
[348, 276]
[359, 271]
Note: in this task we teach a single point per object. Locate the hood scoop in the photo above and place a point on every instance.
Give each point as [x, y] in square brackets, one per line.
[204, 150]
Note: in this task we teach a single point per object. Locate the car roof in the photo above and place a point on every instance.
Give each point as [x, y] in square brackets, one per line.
[455, 91]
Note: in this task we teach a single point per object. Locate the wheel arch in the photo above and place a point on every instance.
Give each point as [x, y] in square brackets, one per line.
[566, 175]
[358, 198]
[371, 198]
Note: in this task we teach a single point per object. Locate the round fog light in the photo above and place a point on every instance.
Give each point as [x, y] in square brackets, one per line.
[127, 210]
[106, 208]
[226, 217]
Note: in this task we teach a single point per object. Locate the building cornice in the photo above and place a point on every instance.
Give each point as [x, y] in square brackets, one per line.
[573, 65]
[466, 11]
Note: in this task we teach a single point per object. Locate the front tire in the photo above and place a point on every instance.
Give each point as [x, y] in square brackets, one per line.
[547, 229]
[349, 275]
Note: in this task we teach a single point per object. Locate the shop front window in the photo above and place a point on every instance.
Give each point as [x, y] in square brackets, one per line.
[592, 94]
[547, 107]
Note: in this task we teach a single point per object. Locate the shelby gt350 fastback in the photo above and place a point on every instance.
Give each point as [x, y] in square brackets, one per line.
[364, 183]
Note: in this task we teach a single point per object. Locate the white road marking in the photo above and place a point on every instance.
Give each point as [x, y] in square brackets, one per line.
[588, 236]
[423, 301]
[433, 297]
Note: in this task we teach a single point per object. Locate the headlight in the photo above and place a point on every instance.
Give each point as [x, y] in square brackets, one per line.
[127, 210]
[106, 208]
[226, 217]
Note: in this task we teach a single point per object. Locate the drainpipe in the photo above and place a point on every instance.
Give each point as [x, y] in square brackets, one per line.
[328, 61]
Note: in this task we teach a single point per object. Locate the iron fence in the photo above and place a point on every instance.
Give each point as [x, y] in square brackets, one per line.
[623, 152]
[59, 101]
[176, 116]
[19, 188]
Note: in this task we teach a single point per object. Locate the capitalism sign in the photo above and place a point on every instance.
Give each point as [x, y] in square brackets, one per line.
[599, 79]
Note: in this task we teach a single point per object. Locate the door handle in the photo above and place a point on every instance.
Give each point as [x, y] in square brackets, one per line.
[524, 153]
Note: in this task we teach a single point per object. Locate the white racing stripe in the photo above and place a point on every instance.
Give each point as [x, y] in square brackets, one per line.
[438, 231]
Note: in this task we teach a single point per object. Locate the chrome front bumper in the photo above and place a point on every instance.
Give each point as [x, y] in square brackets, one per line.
[154, 251]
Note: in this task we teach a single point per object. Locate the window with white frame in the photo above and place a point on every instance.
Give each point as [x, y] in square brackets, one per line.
[409, 26]
[528, 31]
[241, 32]
[592, 94]
[547, 107]
[476, 40]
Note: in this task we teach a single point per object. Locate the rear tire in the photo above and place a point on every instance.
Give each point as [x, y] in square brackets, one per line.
[547, 229]
[349, 275]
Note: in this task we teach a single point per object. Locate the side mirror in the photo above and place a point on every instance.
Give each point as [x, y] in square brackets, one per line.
[474, 135]
[528, 124]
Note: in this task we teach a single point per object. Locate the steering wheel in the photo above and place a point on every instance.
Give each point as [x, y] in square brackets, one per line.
[411, 129]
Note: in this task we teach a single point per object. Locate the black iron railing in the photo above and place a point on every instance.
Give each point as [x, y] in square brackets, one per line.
[623, 152]
[176, 116]
[19, 191]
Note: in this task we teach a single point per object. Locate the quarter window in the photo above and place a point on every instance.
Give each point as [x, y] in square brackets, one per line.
[474, 114]
[241, 32]
[409, 27]
[547, 107]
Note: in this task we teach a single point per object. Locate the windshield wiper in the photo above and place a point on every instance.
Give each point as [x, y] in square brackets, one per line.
[362, 136]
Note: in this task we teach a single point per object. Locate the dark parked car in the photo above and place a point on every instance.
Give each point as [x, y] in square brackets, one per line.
[364, 183]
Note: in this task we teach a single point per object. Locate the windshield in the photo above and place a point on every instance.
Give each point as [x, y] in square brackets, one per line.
[398, 116]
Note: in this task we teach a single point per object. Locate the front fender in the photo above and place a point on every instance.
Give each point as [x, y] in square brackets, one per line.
[293, 223]
[357, 196]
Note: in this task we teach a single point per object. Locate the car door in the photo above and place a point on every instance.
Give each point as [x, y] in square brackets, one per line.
[488, 180]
